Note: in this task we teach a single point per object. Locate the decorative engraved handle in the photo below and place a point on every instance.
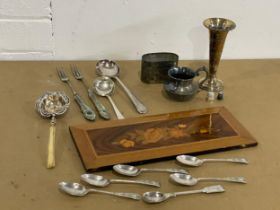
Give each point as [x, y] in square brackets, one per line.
[100, 108]
[51, 145]
[210, 189]
[134, 196]
[136, 102]
[225, 179]
[213, 189]
[233, 160]
[86, 110]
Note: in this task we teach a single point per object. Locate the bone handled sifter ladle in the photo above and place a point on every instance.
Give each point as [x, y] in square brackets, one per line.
[110, 69]
[52, 104]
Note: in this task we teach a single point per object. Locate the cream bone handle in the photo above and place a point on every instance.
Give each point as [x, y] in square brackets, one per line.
[51, 145]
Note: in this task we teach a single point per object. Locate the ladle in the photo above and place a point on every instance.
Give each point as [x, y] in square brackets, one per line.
[157, 197]
[101, 181]
[186, 179]
[129, 170]
[110, 68]
[104, 86]
[194, 161]
[77, 189]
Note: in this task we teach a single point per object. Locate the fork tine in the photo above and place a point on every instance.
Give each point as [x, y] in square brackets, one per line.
[77, 74]
[61, 73]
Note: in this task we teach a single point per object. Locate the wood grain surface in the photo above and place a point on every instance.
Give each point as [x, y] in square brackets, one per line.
[151, 137]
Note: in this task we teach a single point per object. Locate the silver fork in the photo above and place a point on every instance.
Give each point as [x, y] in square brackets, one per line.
[85, 109]
[99, 106]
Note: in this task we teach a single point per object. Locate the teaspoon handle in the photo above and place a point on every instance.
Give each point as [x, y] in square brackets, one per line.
[85, 109]
[144, 182]
[99, 106]
[208, 190]
[168, 170]
[233, 160]
[51, 145]
[116, 110]
[226, 179]
[134, 196]
[187, 192]
[136, 102]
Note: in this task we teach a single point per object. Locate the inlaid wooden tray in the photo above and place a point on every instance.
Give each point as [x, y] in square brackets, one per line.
[107, 143]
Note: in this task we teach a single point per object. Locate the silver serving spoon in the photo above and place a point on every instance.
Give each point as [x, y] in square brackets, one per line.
[77, 189]
[186, 179]
[111, 69]
[104, 86]
[194, 161]
[157, 197]
[101, 181]
[133, 171]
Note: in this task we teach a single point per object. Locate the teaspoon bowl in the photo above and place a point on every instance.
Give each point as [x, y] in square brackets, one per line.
[73, 188]
[127, 170]
[154, 197]
[96, 180]
[189, 160]
[183, 179]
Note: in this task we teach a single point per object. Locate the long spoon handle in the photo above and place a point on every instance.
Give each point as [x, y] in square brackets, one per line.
[116, 110]
[134, 196]
[209, 189]
[136, 102]
[51, 145]
[233, 160]
[144, 182]
[99, 106]
[168, 170]
[226, 179]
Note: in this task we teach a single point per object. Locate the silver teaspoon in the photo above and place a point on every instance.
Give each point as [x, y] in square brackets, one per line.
[186, 179]
[104, 86]
[157, 197]
[111, 69]
[194, 161]
[128, 170]
[77, 189]
[101, 181]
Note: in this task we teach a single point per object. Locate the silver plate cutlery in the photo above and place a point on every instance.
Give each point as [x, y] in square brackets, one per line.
[178, 176]
[99, 106]
[85, 109]
[102, 86]
[194, 161]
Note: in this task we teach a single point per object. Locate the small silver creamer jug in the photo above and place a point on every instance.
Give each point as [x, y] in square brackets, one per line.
[181, 85]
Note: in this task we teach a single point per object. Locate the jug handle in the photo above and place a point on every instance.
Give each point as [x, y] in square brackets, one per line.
[197, 73]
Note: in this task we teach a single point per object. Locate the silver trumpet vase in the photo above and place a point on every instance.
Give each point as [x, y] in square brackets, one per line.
[218, 30]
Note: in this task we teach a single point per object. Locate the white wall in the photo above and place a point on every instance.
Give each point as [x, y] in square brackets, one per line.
[126, 29]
